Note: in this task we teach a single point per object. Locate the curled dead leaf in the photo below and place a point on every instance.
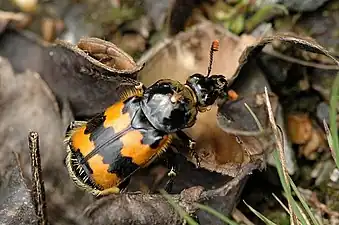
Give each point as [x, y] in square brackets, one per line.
[110, 55]
[187, 53]
[89, 85]
[105, 55]
[302, 42]
[245, 116]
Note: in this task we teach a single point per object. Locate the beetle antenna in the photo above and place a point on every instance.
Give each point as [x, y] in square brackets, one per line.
[214, 48]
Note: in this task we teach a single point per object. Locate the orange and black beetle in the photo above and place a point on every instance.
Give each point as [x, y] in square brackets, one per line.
[104, 152]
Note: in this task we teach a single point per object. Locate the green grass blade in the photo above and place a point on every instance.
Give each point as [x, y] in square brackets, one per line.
[304, 204]
[217, 214]
[261, 216]
[286, 209]
[284, 182]
[305, 221]
[333, 119]
[287, 190]
[181, 212]
[330, 143]
[280, 171]
[297, 210]
[303, 218]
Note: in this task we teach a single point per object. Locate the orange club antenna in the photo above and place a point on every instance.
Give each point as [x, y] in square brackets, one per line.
[214, 48]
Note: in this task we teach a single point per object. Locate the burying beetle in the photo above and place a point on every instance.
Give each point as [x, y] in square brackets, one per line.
[104, 152]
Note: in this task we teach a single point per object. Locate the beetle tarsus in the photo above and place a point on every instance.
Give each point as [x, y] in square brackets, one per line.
[169, 184]
[190, 144]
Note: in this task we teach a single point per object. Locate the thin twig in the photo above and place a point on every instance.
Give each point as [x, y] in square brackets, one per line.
[287, 58]
[281, 152]
[38, 188]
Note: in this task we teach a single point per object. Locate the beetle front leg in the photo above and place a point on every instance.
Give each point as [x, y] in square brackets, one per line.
[190, 144]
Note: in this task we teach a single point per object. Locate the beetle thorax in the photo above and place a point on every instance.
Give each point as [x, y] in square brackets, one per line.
[169, 106]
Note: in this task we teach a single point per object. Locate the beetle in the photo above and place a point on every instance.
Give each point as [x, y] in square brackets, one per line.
[104, 152]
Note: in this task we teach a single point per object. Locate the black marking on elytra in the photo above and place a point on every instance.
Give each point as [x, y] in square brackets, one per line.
[101, 135]
[95, 122]
[108, 142]
[152, 138]
[82, 171]
[123, 166]
[85, 165]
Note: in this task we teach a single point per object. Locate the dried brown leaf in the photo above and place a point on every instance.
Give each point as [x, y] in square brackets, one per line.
[28, 104]
[16, 206]
[235, 118]
[113, 58]
[304, 43]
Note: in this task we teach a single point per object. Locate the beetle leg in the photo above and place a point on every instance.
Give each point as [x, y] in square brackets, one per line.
[75, 124]
[169, 184]
[173, 166]
[190, 144]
